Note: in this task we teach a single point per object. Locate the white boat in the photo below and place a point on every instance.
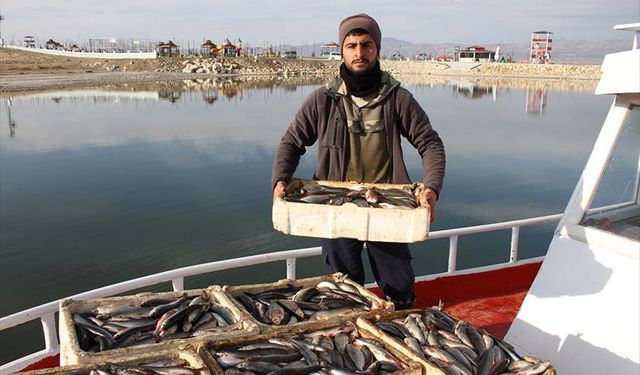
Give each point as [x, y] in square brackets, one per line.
[577, 307]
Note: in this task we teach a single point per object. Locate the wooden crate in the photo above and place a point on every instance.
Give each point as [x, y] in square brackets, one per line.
[348, 221]
[186, 353]
[367, 328]
[72, 354]
[304, 326]
[204, 350]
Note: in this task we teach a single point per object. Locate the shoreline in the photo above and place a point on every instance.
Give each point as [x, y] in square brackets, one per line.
[25, 72]
[24, 84]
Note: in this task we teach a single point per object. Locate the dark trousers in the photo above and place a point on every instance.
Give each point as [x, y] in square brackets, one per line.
[390, 263]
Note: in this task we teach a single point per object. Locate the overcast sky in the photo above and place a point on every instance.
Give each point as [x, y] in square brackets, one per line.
[299, 22]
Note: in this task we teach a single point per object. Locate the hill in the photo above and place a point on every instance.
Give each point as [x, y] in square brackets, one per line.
[564, 51]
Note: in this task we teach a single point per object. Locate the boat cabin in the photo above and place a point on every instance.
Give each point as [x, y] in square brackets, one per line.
[581, 312]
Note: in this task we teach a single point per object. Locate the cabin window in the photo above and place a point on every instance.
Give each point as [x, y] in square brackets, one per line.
[616, 205]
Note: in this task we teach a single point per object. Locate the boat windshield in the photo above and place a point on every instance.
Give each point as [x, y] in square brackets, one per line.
[616, 205]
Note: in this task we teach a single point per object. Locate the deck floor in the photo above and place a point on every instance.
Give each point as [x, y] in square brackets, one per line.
[489, 300]
[493, 314]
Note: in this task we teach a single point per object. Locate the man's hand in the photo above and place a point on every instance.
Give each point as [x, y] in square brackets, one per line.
[278, 191]
[427, 198]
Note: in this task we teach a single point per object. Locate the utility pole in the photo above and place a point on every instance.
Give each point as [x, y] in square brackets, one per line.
[1, 40]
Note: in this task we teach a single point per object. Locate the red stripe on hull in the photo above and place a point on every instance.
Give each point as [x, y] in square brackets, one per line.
[48, 362]
[477, 285]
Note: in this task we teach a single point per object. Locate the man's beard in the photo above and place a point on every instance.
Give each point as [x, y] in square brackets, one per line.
[362, 82]
[362, 72]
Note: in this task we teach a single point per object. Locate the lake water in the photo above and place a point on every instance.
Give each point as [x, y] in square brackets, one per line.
[99, 186]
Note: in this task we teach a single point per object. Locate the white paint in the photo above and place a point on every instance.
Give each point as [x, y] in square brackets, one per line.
[89, 55]
[618, 73]
[582, 310]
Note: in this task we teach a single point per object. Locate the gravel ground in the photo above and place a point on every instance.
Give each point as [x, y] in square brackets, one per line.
[26, 71]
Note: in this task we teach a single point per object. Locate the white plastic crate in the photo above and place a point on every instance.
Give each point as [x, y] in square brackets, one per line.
[349, 221]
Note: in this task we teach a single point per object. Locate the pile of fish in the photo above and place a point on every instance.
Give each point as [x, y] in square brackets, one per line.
[293, 304]
[457, 347]
[160, 367]
[357, 195]
[336, 351]
[122, 325]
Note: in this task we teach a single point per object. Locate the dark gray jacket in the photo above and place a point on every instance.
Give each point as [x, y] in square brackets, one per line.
[322, 119]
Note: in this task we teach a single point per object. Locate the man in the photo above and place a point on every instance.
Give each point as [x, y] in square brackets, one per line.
[357, 120]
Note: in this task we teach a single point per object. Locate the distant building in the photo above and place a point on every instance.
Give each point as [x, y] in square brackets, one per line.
[540, 51]
[75, 48]
[474, 54]
[229, 49]
[29, 41]
[167, 49]
[209, 49]
[327, 48]
[52, 44]
[289, 54]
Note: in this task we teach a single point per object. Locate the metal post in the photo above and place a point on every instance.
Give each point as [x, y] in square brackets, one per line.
[515, 240]
[49, 329]
[178, 284]
[291, 268]
[453, 253]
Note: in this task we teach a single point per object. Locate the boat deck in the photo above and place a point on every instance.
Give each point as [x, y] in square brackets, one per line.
[489, 300]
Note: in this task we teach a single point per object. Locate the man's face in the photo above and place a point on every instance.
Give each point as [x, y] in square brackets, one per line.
[359, 53]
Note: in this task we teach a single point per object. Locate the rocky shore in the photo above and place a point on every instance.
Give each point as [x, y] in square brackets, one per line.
[25, 71]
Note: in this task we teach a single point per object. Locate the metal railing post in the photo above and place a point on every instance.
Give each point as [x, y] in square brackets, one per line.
[178, 283]
[50, 333]
[291, 268]
[515, 241]
[453, 253]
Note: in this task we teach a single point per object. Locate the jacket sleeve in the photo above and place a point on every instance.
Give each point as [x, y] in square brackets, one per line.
[302, 133]
[416, 127]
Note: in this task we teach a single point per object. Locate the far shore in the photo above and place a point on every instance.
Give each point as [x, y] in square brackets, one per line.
[28, 72]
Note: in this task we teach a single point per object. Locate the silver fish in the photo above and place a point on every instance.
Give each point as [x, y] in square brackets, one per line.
[534, 369]
[492, 361]
[161, 309]
[414, 345]
[415, 331]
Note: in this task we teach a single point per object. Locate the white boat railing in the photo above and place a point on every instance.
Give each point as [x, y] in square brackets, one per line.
[46, 312]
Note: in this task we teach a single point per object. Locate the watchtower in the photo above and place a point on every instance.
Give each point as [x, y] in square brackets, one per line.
[540, 51]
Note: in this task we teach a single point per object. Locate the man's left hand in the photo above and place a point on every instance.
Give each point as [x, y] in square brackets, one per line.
[427, 198]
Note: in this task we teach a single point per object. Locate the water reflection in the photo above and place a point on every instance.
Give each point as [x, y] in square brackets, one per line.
[142, 96]
[536, 101]
[472, 90]
[10, 120]
[212, 89]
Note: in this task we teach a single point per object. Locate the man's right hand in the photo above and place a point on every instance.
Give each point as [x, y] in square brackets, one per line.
[427, 198]
[278, 191]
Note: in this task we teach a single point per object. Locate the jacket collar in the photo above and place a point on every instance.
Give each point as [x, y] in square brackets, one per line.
[336, 90]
